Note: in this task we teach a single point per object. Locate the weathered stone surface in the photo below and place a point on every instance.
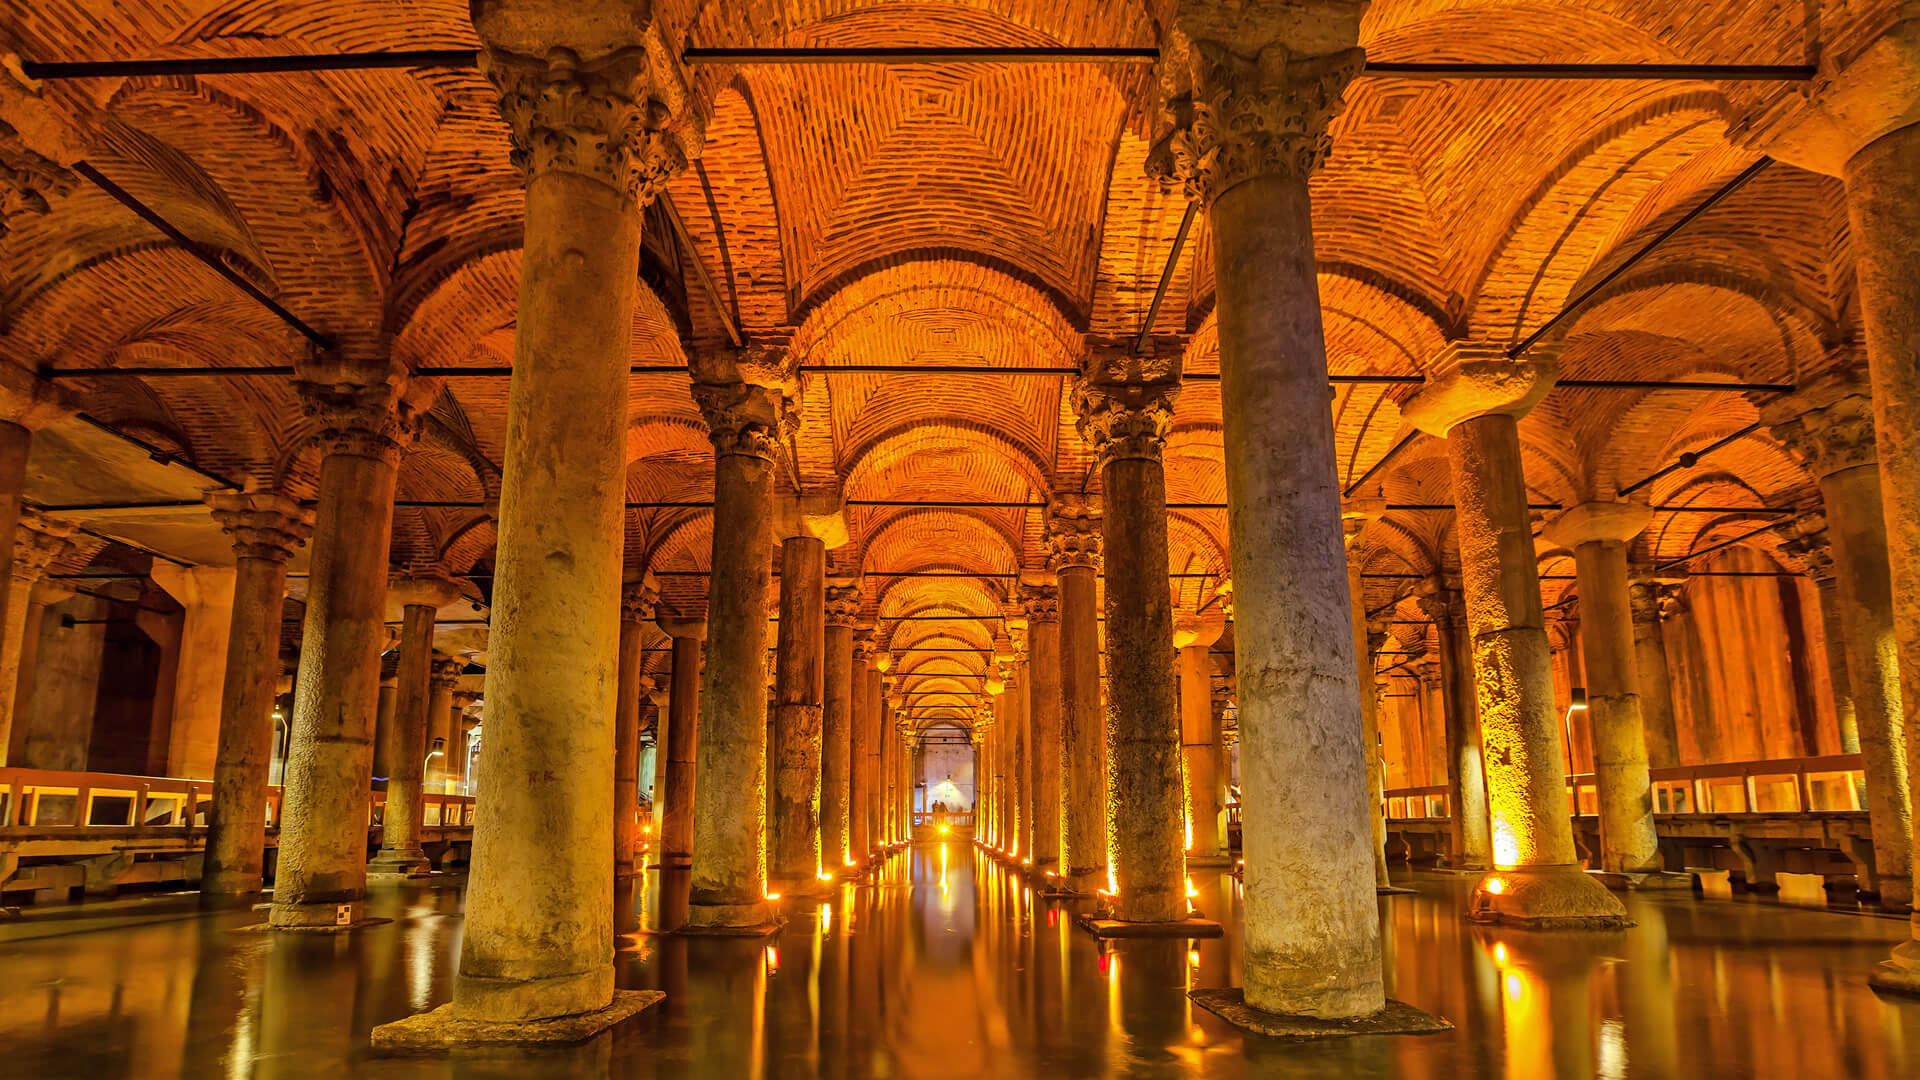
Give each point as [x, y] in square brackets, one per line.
[1395, 1018]
[444, 1030]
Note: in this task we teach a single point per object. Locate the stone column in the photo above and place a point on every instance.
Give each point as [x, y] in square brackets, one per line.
[793, 853]
[206, 594]
[1433, 722]
[419, 598]
[1019, 745]
[679, 776]
[1829, 427]
[441, 679]
[27, 403]
[1073, 540]
[1041, 599]
[866, 719]
[744, 397]
[266, 529]
[1475, 404]
[37, 542]
[1207, 840]
[637, 600]
[1355, 516]
[383, 719]
[1125, 406]
[836, 721]
[461, 726]
[1649, 601]
[320, 873]
[1805, 548]
[1248, 95]
[1598, 533]
[1466, 778]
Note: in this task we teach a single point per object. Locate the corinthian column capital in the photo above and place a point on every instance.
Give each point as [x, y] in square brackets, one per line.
[843, 601]
[263, 524]
[1073, 533]
[37, 544]
[610, 106]
[747, 396]
[1125, 400]
[1827, 425]
[1247, 89]
[360, 420]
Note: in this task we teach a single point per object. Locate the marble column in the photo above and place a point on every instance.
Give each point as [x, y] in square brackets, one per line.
[37, 542]
[419, 598]
[383, 718]
[1206, 818]
[1648, 600]
[1019, 747]
[1829, 427]
[1466, 779]
[866, 721]
[27, 403]
[266, 529]
[793, 852]
[1041, 599]
[1125, 406]
[206, 595]
[1598, 534]
[320, 872]
[678, 778]
[1247, 97]
[1355, 515]
[744, 396]
[1073, 539]
[1474, 401]
[836, 722]
[1431, 691]
[442, 677]
[637, 609]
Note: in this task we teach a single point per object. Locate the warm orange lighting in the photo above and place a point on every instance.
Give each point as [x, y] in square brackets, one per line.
[1193, 957]
[1500, 953]
[824, 876]
[773, 896]
[1191, 891]
[1495, 886]
[773, 959]
[943, 830]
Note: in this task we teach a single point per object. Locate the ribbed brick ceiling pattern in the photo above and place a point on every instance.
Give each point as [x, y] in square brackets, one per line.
[977, 215]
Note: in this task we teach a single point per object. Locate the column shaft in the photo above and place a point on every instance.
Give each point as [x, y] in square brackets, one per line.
[1044, 705]
[1369, 724]
[1628, 843]
[1656, 682]
[1200, 737]
[627, 707]
[400, 853]
[1466, 769]
[794, 853]
[682, 752]
[1082, 733]
[836, 744]
[1019, 749]
[15, 443]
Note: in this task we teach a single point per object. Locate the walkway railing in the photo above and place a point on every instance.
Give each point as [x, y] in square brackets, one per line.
[34, 800]
[1827, 784]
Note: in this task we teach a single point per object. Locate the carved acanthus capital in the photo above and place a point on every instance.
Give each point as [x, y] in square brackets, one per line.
[639, 600]
[1804, 546]
[1073, 534]
[625, 118]
[864, 646]
[446, 672]
[360, 420]
[1445, 605]
[1125, 400]
[1827, 425]
[747, 397]
[1042, 603]
[843, 602]
[263, 524]
[1248, 90]
[37, 543]
[1651, 600]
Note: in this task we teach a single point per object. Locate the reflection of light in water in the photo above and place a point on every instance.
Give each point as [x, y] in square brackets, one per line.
[1516, 986]
[826, 919]
[1613, 1049]
[420, 965]
[773, 959]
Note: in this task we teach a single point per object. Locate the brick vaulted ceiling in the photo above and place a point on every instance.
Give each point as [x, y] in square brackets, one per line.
[981, 215]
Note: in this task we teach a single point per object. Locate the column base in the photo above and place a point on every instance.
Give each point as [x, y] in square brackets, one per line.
[1546, 898]
[399, 865]
[1101, 927]
[1901, 974]
[1653, 881]
[440, 1031]
[732, 920]
[324, 917]
[1397, 1018]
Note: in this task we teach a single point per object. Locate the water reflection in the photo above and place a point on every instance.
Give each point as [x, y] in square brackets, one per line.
[946, 966]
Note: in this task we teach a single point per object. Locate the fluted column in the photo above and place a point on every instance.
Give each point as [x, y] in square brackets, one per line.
[266, 529]
[836, 722]
[320, 873]
[1598, 533]
[1476, 405]
[1206, 818]
[419, 598]
[1041, 599]
[1073, 541]
[1247, 97]
[1466, 770]
[1125, 406]
[744, 397]
[793, 854]
[637, 608]
[1829, 427]
[680, 776]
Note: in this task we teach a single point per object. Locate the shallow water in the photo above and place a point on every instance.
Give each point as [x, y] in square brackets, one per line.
[949, 967]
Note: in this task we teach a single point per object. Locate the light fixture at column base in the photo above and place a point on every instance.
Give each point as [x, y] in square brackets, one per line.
[1546, 898]
[1901, 974]
[440, 1031]
[1114, 928]
[1397, 1018]
[1655, 881]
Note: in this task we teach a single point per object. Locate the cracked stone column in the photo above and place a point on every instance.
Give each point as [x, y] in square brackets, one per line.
[1246, 96]
[1829, 427]
[1041, 598]
[419, 598]
[1125, 406]
[679, 776]
[1073, 539]
[1475, 404]
[1355, 515]
[1206, 822]
[1649, 601]
[866, 720]
[836, 722]
[266, 529]
[744, 396]
[1861, 127]
[1598, 534]
[637, 603]
[320, 872]
[1466, 771]
[793, 853]
[600, 121]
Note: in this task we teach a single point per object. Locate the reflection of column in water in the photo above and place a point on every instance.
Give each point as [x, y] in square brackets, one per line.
[1544, 993]
[222, 1013]
[307, 1000]
[1390, 916]
[726, 981]
[1653, 1044]
[1152, 1002]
